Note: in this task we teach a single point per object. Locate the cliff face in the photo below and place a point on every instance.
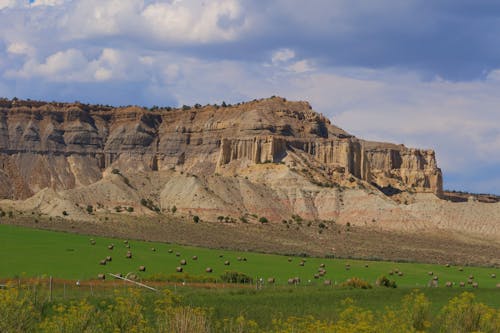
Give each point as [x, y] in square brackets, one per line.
[64, 146]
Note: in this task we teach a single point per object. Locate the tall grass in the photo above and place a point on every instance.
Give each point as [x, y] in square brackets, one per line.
[134, 310]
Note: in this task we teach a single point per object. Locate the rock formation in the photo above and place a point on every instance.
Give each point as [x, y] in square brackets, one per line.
[265, 158]
[65, 146]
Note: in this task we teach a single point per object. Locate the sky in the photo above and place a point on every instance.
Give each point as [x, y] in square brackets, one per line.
[422, 73]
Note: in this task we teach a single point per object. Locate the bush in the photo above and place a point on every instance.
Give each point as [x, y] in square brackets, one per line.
[463, 314]
[75, 317]
[90, 209]
[183, 319]
[416, 310]
[263, 220]
[149, 204]
[357, 283]
[196, 219]
[235, 277]
[383, 281]
[17, 310]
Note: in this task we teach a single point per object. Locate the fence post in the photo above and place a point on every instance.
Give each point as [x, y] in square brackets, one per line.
[50, 289]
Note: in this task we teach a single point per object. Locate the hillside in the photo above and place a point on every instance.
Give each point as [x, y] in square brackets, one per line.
[268, 158]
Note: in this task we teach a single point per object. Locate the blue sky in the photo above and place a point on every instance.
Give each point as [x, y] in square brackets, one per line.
[422, 73]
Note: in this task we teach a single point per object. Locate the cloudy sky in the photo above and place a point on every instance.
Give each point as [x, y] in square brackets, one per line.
[422, 73]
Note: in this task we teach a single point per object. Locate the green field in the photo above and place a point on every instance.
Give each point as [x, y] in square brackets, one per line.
[35, 253]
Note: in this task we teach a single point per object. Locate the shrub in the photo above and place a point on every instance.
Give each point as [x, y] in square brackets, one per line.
[115, 172]
[463, 314]
[130, 209]
[174, 209]
[17, 310]
[125, 313]
[150, 204]
[416, 310]
[239, 324]
[65, 213]
[196, 219]
[357, 283]
[383, 281]
[182, 319]
[75, 317]
[235, 277]
[90, 209]
[263, 220]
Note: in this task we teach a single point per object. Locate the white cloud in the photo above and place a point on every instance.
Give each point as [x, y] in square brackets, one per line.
[10, 4]
[301, 66]
[178, 22]
[73, 66]
[20, 48]
[190, 21]
[63, 64]
[282, 55]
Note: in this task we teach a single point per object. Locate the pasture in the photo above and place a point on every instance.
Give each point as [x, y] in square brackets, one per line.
[36, 253]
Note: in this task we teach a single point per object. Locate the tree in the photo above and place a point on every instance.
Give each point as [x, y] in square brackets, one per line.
[263, 220]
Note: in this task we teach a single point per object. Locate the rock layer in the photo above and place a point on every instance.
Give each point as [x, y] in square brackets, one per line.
[63, 146]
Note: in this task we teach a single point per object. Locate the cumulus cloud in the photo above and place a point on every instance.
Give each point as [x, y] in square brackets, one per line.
[178, 22]
[4, 4]
[282, 55]
[73, 65]
[20, 48]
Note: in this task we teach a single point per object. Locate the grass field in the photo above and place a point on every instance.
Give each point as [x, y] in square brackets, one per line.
[33, 253]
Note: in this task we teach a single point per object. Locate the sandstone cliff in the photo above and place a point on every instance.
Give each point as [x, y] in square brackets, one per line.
[266, 158]
[65, 146]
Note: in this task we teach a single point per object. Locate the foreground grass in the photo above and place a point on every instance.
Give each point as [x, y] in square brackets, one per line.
[299, 309]
[265, 305]
[35, 253]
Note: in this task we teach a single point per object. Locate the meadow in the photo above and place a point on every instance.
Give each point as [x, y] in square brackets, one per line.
[35, 253]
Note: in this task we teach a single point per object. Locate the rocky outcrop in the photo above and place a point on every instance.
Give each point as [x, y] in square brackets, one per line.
[63, 146]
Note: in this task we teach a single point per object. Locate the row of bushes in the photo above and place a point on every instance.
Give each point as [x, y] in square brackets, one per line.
[132, 311]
